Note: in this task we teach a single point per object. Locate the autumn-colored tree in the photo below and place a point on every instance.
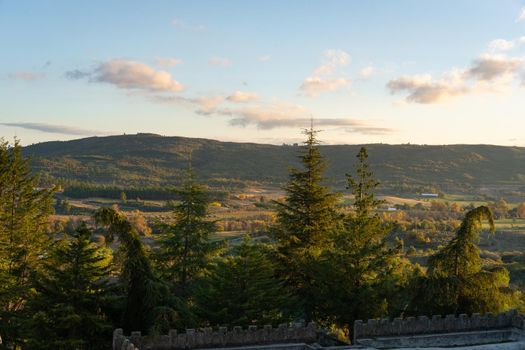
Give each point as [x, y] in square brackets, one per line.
[520, 211]
[140, 223]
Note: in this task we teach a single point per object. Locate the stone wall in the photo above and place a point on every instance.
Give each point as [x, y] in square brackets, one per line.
[436, 324]
[208, 338]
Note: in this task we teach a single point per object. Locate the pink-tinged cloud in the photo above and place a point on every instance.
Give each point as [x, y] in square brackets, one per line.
[243, 97]
[424, 89]
[488, 73]
[167, 62]
[367, 72]
[133, 75]
[326, 77]
[55, 129]
[490, 67]
[26, 76]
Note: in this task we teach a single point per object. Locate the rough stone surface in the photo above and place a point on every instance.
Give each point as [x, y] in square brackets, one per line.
[435, 325]
[476, 332]
[502, 346]
[207, 338]
[459, 339]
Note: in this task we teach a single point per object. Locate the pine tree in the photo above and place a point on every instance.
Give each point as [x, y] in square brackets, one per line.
[185, 249]
[144, 293]
[306, 221]
[72, 291]
[359, 270]
[243, 290]
[457, 282]
[24, 212]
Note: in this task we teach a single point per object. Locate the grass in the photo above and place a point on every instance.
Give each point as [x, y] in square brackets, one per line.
[507, 224]
[227, 235]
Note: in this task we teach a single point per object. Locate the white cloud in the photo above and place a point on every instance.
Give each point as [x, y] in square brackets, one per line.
[265, 58]
[167, 62]
[488, 73]
[133, 75]
[183, 25]
[521, 17]
[242, 97]
[26, 76]
[313, 86]
[324, 77]
[501, 45]
[491, 67]
[367, 72]
[278, 114]
[203, 105]
[506, 45]
[424, 89]
[333, 60]
[55, 129]
[269, 115]
[361, 127]
[220, 61]
[207, 105]
[284, 115]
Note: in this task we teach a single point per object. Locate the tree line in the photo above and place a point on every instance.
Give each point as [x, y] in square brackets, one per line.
[66, 290]
[82, 191]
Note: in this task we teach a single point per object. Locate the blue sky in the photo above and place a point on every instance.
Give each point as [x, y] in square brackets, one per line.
[432, 72]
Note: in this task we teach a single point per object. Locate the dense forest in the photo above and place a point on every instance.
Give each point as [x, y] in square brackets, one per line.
[68, 287]
[148, 160]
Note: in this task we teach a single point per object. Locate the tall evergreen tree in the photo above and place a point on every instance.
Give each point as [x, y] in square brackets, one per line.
[71, 294]
[359, 269]
[243, 290]
[457, 282]
[144, 293]
[185, 249]
[306, 221]
[24, 212]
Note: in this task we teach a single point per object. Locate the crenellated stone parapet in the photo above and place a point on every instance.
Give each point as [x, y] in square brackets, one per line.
[222, 337]
[435, 325]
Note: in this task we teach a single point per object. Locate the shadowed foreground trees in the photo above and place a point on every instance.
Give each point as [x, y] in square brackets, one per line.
[72, 293]
[360, 273]
[144, 292]
[306, 222]
[243, 289]
[185, 250]
[324, 263]
[24, 212]
[456, 282]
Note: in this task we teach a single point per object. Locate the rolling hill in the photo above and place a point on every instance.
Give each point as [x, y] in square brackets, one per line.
[153, 160]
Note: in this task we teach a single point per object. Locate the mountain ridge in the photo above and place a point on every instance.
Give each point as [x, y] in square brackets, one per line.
[151, 159]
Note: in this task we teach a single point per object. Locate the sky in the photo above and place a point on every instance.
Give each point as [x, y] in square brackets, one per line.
[405, 71]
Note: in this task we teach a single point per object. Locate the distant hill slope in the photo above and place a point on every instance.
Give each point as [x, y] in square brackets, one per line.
[151, 160]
